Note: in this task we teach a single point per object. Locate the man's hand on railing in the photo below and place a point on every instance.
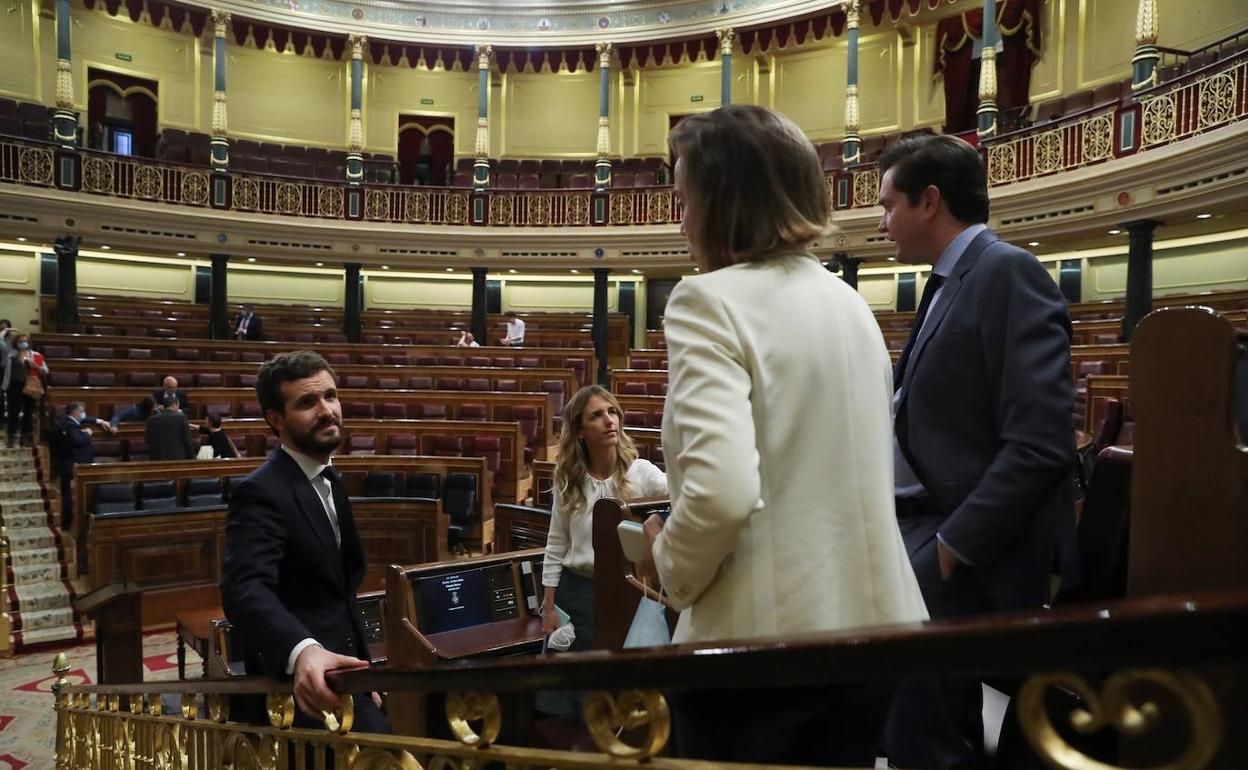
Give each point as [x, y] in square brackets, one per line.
[311, 692]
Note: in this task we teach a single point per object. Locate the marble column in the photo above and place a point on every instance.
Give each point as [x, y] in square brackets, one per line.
[481, 166]
[66, 248]
[987, 112]
[1144, 63]
[852, 145]
[64, 119]
[479, 315]
[351, 302]
[726, 37]
[602, 169]
[355, 133]
[600, 324]
[220, 119]
[1139, 275]
[218, 314]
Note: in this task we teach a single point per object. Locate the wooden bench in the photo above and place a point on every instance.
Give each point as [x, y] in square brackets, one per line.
[639, 382]
[653, 359]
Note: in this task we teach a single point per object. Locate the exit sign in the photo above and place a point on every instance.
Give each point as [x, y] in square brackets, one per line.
[124, 56]
[697, 98]
[426, 101]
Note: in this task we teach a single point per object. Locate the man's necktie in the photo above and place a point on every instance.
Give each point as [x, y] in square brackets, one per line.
[330, 475]
[934, 282]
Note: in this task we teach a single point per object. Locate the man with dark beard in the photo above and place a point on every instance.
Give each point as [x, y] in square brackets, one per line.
[293, 559]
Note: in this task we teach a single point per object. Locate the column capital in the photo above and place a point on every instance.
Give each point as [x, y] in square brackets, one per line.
[604, 53]
[1141, 225]
[852, 12]
[220, 23]
[1146, 23]
[357, 43]
[485, 56]
[726, 36]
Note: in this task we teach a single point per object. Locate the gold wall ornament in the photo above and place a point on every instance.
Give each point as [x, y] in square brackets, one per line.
[289, 198]
[1113, 707]
[64, 84]
[416, 207]
[621, 208]
[220, 115]
[866, 187]
[456, 212]
[539, 209]
[658, 207]
[1159, 120]
[35, 166]
[1098, 138]
[1002, 163]
[604, 136]
[220, 23]
[148, 181]
[464, 708]
[329, 202]
[851, 109]
[195, 187]
[281, 709]
[988, 75]
[376, 206]
[218, 707]
[502, 209]
[357, 43]
[355, 134]
[1049, 151]
[1147, 23]
[605, 716]
[726, 36]
[1217, 100]
[482, 146]
[342, 719]
[578, 209]
[246, 193]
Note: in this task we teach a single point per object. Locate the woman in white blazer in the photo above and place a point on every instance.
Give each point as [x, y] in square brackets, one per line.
[778, 436]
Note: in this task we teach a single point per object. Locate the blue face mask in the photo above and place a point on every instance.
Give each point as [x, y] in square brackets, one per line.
[23, 346]
[80, 416]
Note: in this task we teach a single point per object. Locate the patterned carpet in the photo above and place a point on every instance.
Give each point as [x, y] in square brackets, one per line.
[27, 721]
[40, 597]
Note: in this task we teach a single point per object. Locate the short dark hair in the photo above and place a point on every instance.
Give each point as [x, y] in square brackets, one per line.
[147, 405]
[170, 402]
[286, 367]
[510, 314]
[947, 162]
[6, 322]
[214, 419]
[74, 406]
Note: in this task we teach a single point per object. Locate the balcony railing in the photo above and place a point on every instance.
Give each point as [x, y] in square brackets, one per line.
[1200, 101]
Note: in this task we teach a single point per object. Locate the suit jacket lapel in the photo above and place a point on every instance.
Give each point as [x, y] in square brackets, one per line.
[352, 550]
[948, 294]
[311, 506]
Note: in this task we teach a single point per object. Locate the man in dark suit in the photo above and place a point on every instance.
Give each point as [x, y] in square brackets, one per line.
[248, 326]
[169, 434]
[71, 446]
[171, 389]
[984, 436]
[293, 558]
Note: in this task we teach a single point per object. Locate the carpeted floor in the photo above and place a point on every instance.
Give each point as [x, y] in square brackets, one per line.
[27, 720]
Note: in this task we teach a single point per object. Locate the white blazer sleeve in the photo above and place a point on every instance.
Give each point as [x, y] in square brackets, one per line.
[558, 540]
[652, 482]
[708, 403]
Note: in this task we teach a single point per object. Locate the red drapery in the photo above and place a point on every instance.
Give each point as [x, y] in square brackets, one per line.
[1019, 24]
[421, 160]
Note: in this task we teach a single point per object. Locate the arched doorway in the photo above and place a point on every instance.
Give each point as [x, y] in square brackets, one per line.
[426, 149]
[121, 113]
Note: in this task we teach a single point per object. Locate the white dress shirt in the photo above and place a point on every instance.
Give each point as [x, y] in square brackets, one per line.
[570, 540]
[324, 490]
[515, 330]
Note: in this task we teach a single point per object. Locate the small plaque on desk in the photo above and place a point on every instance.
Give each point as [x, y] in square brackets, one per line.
[464, 598]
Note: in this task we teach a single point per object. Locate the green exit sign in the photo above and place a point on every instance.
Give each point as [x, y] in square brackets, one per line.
[426, 101]
[124, 56]
[697, 98]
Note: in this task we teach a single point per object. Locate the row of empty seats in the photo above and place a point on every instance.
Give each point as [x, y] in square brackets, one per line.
[351, 381]
[25, 119]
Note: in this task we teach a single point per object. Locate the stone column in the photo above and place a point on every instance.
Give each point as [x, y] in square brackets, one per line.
[852, 145]
[479, 316]
[1144, 63]
[64, 119]
[220, 120]
[600, 323]
[351, 302]
[1139, 275]
[218, 314]
[987, 112]
[726, 37]
[848, 267]
[602, 169]
[481, 167]
[66, 248]
[355, 134]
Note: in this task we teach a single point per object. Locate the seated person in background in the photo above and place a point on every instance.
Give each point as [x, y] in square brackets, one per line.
[169, 434]
[220, 441]
[169, 390]
[596, 459]
[247, 326]
[466, 340]
[779, 454]
[515, 330]
[135, 412]
[70, 445]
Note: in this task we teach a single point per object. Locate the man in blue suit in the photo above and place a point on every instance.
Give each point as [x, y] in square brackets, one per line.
[70, 444]
[293, 558]
[985, 441]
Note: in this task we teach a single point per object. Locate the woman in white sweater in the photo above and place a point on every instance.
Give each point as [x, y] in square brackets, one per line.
[596, 459]
[778, 436]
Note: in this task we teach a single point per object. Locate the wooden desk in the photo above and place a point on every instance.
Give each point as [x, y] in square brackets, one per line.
[195, 629]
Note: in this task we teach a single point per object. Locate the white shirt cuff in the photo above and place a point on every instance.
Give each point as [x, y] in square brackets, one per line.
[294, 654]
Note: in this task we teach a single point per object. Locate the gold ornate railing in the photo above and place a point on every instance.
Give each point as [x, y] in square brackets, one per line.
[1067, 145]
[1191, 106]
[1199, 638]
